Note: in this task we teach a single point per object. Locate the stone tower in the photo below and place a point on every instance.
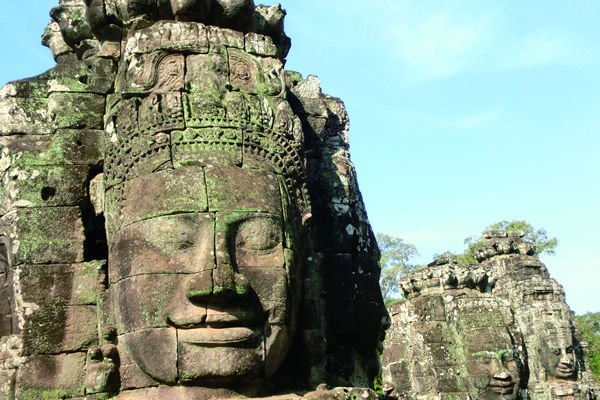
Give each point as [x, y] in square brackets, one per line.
[179, 216]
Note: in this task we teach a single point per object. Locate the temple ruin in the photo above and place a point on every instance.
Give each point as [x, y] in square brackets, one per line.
[180, 219]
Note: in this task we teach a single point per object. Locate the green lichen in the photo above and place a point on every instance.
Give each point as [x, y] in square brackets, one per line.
[44, 394]
[87, 297]
[44, 251]
[44, 329]
[159, 298]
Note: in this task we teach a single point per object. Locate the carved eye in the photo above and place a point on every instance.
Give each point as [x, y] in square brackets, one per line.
[483, 356]
[506, 355]
[172, 233]
[259, 234]
[557, 352]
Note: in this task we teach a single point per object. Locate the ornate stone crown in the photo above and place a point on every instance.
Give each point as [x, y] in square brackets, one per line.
[205, 96]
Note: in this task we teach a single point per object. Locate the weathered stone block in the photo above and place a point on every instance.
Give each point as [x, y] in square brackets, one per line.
[76, 110]
[82, 146]
[367, 320]
[340, 316]
[78, 284]
[169, 35]
[7, 384]
[24, 115]
[47, 185]
[260, 45]
[366, 287]
[154, 351]
[256, 191]
[135, 311]
[49, 235]
[65, 147]
[52, 377]
[436, 332]
[56, 327]
[218, 37]
[49, 251]
[7, 327]
[153, 195]
[84, 76]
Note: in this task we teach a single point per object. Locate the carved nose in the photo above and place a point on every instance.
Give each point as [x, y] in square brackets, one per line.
[566, 360]
[219, 285]
[503, 376]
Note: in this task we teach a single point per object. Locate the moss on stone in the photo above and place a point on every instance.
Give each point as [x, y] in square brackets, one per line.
[45, 394]
[44, 329]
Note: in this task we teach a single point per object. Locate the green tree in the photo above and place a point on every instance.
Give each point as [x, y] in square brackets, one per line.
[395, 262]
[589, 325]
[539, 237]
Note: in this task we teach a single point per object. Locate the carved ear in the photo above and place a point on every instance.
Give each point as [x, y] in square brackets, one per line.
[5, 252]
[101, 370]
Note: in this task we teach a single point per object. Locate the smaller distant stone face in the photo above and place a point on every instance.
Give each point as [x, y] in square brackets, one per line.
[497, 330]
[453, 341]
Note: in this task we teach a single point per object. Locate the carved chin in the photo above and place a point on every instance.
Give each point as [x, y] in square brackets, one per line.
[171, 355]
[505, 391]
[201, 363]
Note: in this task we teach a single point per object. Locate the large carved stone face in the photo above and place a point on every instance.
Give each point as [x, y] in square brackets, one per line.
[202, 273]
[495, 373]
[558, 358]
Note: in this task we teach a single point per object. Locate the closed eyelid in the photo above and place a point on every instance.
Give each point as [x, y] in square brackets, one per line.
[259, 234]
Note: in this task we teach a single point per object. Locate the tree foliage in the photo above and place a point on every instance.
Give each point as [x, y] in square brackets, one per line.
[539, 237]
[395, 262]
[589, 325]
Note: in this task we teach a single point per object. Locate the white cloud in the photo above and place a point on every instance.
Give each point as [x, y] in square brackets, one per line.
[430, 43]
[544, 47]
[469, 122]
[473, 122]
[439, 46]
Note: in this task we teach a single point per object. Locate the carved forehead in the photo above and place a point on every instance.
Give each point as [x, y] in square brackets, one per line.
[196, 189]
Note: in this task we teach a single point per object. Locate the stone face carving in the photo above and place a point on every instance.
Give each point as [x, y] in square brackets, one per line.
[452, 340]
[180, 219]
[223, 275]
[179, 215]
[505, 311]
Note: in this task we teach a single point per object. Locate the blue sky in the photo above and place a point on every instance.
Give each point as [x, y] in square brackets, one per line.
[463, 113]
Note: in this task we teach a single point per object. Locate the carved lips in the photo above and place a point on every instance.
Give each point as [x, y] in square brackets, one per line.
[502, 384]
[564, 370]
[218, 337]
